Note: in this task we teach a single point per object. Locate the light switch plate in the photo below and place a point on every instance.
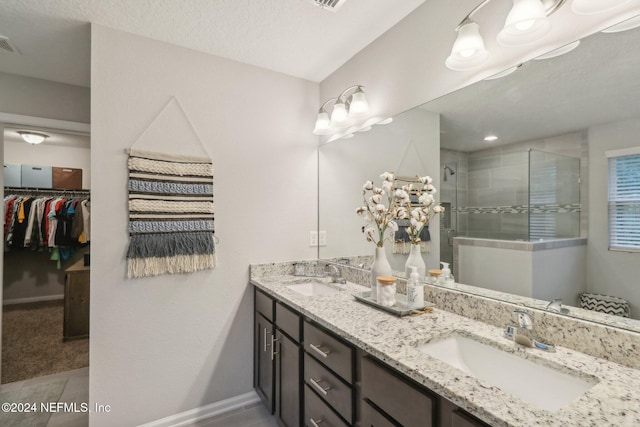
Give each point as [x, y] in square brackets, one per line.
[322, 238]
[313, 238]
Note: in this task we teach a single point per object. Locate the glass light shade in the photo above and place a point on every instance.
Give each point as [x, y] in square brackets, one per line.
[33, 137]
[339, 114]
[629, 24]
[527, 22]
[323, 125]
[359, 105]
[468, 51]
[559, 51]
[592, 7]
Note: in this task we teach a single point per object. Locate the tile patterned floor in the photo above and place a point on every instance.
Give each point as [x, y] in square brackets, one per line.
[76, 390]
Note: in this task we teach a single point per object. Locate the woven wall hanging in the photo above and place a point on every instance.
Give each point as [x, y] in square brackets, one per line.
[171, 216]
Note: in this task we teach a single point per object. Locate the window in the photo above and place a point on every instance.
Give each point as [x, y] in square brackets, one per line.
[624, 199]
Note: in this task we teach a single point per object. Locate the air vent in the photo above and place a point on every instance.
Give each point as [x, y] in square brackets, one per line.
[7, 45]
[332, 5]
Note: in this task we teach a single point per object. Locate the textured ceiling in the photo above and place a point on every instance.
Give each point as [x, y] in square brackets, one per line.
[289, 36]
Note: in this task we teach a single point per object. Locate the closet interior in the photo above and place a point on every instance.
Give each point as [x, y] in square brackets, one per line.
[46, 261]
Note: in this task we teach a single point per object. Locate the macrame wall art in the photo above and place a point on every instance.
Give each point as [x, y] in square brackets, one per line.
[171, 216]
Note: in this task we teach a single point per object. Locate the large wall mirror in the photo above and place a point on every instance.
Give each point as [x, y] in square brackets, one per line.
[544, 179]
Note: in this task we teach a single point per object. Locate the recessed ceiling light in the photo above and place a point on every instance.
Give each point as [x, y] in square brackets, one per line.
[490, 138]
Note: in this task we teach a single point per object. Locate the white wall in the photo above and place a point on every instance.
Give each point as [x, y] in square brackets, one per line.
[164, 345]
[42, 98]
[609, 272]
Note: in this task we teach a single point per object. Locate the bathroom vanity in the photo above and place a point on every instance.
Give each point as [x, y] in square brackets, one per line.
[322, 358]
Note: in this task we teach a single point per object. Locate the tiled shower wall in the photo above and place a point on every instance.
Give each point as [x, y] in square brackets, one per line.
[498, 177]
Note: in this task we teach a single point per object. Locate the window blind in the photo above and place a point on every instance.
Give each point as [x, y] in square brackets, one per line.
[624, 202]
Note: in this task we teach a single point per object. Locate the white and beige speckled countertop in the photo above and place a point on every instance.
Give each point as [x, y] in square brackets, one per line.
[613, 401]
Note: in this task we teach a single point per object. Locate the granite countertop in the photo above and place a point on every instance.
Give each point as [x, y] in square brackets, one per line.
[613, 401]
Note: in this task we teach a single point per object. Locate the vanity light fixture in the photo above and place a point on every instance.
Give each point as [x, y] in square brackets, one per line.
[527, 22]
[33, 137]
[351, 104]
[592, 7]
[504, 73]
[385, 121]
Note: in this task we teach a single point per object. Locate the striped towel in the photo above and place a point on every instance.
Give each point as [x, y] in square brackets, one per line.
[171, 215]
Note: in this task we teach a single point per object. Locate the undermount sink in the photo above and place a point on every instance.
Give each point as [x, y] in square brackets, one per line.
[539, 385]
[312, 288]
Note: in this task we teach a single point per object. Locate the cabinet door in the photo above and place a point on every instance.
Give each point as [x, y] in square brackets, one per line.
[288, 364]
[372, 418]
[76, 305]
[263, 360]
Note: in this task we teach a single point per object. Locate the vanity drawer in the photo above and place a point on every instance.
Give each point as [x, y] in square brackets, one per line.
[317, 413]
[288, 321]
[264, 305]
[329, 387]
[392, 394]
[370, 417]
[329, 350]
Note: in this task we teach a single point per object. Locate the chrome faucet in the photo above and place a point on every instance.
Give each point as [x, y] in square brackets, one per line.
[555, 306]
[523, 333]
[335, 275]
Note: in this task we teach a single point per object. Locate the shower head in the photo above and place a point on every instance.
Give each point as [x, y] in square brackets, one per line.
[451, 172]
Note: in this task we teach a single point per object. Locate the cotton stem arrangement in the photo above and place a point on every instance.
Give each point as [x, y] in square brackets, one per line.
[384, 205]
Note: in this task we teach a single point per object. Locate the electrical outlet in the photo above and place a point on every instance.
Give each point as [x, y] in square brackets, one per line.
[322, 238]
[313, 238]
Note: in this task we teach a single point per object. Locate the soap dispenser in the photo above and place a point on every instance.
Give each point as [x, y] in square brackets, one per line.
[415, 290]
[446, 278]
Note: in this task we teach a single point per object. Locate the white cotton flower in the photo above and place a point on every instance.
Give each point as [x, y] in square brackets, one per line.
[380, 207]
[399, 193]
[376, 199]
[387, 185]
[438, 209]
[401, 213]
[387, 176]
[426, 199]
[361, 210]
[378, 191]
[425, 179]
[415, 214]
[393, 225]
[430, 188]
[368, 186]
[414, 223]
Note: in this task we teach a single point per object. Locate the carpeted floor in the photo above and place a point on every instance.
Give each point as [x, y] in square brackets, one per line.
[32, 343]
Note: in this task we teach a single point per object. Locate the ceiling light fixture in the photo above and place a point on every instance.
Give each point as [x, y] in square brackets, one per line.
[592, 7]
[33, 137]
[349, 106]
[526, 23]
[490, 138]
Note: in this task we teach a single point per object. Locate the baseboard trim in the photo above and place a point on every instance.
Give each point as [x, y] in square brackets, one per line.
[32, 299]
[192, 416]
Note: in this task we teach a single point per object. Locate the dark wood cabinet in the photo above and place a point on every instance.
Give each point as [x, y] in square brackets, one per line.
[263, 360]
[308, 376]
[76, 302]
[288, 364]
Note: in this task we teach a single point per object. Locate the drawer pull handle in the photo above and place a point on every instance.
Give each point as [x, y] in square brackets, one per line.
[273, 352]
[265, 341]
[318, 387]
[315, 423]
[319, 351]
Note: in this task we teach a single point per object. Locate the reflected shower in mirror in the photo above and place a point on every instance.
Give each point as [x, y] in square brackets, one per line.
[554, 119]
